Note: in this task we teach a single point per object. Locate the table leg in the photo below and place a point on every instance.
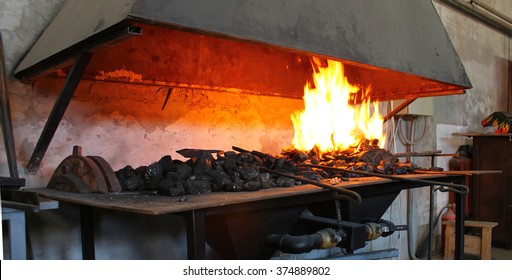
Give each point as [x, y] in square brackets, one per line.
[486, 243]
[459, 226]
[16, 220]
[87, 231]
[196, 238]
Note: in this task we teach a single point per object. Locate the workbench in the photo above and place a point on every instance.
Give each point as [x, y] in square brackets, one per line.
[196, 208]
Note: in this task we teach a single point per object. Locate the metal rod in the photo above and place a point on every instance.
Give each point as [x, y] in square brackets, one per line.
[260, 154]
[352, 196]
[459, 172]
[398, 109]
[6, 117]
[469, 10]
[492, 11]
[61, 104]
[392, 177]
[422, 154]
[169, 90]
[430, 222]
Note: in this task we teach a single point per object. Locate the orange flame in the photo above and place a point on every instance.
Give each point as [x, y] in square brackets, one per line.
[329, 122]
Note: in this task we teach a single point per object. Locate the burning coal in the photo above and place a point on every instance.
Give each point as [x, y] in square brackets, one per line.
[212, 170]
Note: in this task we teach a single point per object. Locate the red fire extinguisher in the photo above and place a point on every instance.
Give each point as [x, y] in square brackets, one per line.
[447, 216]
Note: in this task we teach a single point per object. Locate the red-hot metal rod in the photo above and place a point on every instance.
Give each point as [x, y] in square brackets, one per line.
[464, 188]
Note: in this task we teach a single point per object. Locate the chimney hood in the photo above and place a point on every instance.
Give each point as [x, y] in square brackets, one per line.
[399, 47]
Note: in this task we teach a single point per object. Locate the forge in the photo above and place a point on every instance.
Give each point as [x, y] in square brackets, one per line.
[246, 204]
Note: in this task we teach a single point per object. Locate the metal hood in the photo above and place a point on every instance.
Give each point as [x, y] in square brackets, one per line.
[399, 47]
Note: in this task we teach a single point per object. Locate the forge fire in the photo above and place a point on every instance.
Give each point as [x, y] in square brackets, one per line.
[332, 130]
[331, 121]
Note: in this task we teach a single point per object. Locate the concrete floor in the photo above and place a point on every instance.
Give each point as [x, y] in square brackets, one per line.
[501, 254]
[496, 254]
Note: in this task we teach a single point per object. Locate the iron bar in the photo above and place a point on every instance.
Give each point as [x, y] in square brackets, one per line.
[459, 172]
[6, 118]
[169, 90]
[352, 196]
[349, 195]
[464, 188]
[398, 109]
[422, 154]
[260, 154]
[61, 104]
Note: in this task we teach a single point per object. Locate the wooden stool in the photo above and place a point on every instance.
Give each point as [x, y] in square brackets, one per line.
[475, 245]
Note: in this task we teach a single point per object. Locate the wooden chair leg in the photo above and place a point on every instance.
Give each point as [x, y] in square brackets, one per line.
[486, 243]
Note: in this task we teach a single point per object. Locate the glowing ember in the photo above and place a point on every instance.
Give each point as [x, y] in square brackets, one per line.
[329, 122]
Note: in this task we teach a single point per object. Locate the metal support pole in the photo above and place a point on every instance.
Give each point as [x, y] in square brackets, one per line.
[196, 237]
[61, 104]
[87, 231]
[6, 117]
[431, 213]
[459, 226]
[430, 223]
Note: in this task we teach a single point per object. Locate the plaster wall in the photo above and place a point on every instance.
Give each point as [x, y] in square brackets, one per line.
[486, 55]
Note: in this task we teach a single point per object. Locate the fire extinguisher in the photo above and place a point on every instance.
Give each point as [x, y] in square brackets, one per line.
[449, 215]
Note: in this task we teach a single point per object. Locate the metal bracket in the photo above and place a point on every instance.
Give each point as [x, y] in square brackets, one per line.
[65, 95]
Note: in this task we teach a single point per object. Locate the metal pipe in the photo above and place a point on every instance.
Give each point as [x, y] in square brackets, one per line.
[322, 239]
[491, 10]
[483, 17]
